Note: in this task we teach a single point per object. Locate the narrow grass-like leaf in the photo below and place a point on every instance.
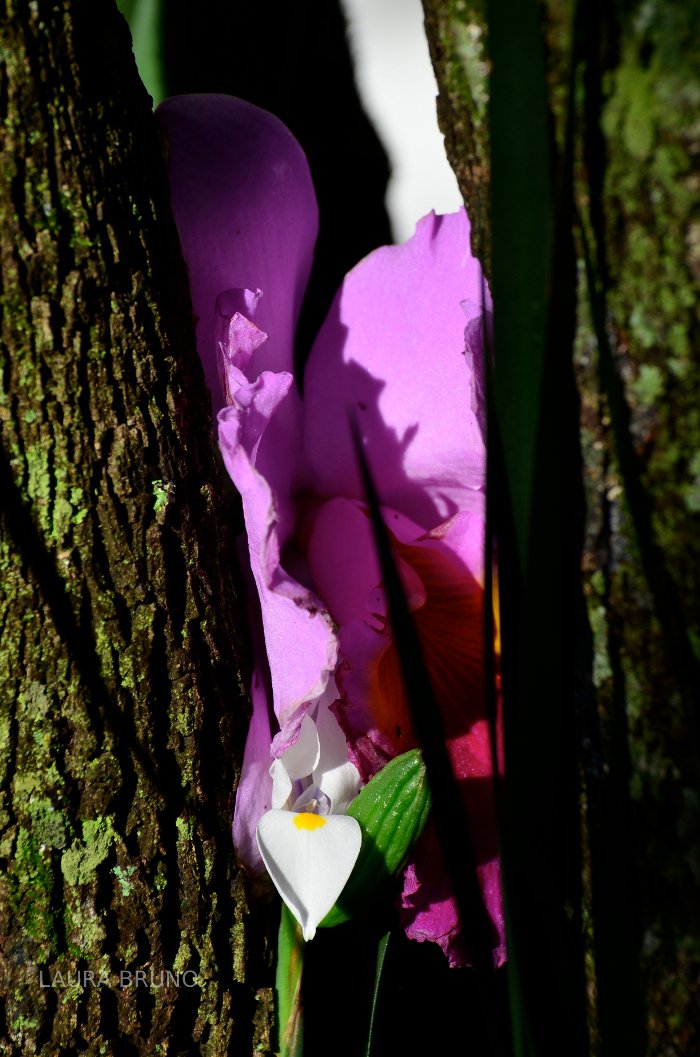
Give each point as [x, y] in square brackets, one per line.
[534, 498]
[450, 820]
[521, 209]
[381, 958]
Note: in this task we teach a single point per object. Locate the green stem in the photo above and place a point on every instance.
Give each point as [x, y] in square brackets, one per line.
[290, 964]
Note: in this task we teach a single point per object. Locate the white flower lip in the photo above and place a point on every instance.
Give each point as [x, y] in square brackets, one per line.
[309, 858]
[307, 843]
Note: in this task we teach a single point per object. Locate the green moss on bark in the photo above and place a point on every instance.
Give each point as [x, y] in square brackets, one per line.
[121, 712]
[639, 159]
[457, 35]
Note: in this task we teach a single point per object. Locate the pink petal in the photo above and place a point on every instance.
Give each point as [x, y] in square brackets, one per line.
[342, 558]
[372, 712]
[441, 572]
[299, 638]
[361, 648]
[343, 562]
[399, 352]
[428, 909]
[247, 216]
[397, 349]
[271, 438]
[254, 792]
[465, 535]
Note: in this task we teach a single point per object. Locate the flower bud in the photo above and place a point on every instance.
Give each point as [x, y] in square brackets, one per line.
[391, 810]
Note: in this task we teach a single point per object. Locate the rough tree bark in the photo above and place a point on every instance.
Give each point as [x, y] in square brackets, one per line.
[638, 176]
[457, 39]
[122, 712]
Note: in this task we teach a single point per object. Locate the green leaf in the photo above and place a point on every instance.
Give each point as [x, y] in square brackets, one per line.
[391, 810]
[521, 214]
[378, 972]
[534, 494]
[145, 22]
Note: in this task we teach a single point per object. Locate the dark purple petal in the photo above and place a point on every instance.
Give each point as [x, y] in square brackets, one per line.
[247, 216]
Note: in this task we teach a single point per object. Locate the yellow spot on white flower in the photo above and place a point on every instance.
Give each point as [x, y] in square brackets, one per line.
[305, 820]
[309, 867]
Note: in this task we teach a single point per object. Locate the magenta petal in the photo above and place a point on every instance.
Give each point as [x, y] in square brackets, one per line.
[270, 418]
[342, 558]
[465, 535]
[401, 350]
[343, 562]
[361, 646]
[247, 216]
[428, 909]
[299, 639]
[254, 792]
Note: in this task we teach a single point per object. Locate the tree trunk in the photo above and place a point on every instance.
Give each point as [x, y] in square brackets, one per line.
[638, 173]
[457, 37]
[123, 713]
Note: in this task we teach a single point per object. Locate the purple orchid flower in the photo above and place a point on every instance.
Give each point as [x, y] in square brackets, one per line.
[401, 349]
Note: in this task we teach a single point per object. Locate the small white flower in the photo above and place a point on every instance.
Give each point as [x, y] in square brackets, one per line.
[309, 846]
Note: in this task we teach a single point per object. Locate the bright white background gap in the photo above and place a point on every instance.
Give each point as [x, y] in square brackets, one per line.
[397, 86]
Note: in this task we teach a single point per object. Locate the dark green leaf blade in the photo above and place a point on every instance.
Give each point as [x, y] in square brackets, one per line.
[535, 513]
